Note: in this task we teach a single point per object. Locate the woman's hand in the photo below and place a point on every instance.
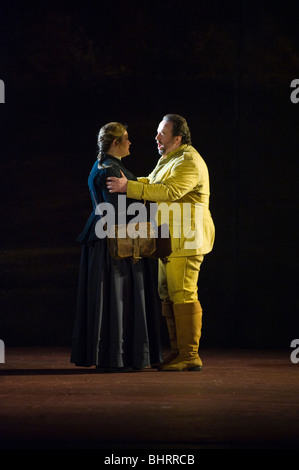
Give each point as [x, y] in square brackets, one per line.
[117, 185]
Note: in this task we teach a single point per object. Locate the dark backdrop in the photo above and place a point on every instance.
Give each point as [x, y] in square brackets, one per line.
[70, 67]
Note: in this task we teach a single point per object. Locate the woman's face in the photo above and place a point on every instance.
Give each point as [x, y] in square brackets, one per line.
[123, 147]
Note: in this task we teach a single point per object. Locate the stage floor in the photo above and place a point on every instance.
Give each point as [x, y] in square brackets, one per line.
[242, 399]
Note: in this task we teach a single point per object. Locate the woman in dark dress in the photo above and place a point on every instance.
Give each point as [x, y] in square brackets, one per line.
[117, 324]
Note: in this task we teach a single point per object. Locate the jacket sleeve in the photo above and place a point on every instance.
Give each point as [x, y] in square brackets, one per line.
[143, 179]
[184, 176]
[119, 201]
[112, 198]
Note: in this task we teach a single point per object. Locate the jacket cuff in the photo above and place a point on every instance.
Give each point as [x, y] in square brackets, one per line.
[134, 189]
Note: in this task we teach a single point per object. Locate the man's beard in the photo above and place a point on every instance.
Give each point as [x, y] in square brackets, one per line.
[161, 150]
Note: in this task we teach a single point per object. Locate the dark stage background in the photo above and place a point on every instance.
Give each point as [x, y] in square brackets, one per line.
[227, 66]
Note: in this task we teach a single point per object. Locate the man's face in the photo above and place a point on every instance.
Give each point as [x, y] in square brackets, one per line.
[165, 140]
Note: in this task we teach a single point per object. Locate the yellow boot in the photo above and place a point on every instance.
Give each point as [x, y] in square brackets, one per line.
[188, 320]
[168, 314]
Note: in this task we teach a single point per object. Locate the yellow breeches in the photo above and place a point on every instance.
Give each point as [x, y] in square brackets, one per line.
[178, 279]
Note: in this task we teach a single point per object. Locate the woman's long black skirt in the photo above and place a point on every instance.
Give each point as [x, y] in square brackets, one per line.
[117, 321]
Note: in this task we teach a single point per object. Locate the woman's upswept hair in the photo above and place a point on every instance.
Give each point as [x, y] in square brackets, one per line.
[107, 134]
[180, 127]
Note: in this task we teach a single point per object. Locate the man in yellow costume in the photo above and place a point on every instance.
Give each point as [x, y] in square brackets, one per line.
[180, 181]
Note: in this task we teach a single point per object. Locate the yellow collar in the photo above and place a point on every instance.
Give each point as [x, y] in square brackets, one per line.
[170, 154]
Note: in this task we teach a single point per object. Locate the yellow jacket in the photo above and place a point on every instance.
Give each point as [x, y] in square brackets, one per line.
[182, 178]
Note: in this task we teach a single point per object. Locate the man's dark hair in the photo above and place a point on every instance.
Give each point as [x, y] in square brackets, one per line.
[180, 127]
